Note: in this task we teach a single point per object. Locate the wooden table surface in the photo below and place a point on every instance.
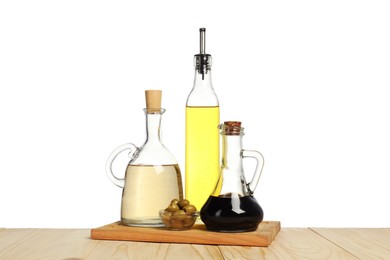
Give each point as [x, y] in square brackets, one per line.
[290, 243]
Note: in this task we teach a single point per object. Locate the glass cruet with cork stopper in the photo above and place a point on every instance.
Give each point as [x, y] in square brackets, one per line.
[152, 177]
[231, 207]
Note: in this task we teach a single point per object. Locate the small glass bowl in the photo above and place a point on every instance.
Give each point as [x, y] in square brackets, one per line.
[178, 221]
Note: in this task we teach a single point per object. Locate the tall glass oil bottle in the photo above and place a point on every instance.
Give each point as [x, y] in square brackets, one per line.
[202, 137]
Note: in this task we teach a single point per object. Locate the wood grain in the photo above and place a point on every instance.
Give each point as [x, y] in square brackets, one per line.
[290, 243]
[42, 243]
[75, 244]
[104, 249]
[263, 236]
[365, 243]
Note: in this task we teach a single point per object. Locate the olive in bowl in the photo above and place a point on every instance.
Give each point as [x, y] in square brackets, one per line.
[179, 215]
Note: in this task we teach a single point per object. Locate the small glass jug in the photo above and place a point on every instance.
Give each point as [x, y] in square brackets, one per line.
[232, 207]
[153, 176]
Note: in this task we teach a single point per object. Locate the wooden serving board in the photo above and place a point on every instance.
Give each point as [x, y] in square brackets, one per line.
[263, 236]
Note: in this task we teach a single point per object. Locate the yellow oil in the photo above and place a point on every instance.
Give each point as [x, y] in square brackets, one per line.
[202, 153]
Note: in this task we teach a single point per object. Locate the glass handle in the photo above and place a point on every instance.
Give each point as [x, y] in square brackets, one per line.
[256, 176]
[120, 182]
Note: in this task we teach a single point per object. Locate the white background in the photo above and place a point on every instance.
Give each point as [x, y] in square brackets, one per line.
[308, 79]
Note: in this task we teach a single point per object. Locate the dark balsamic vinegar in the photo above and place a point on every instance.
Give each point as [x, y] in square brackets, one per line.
[231, 213]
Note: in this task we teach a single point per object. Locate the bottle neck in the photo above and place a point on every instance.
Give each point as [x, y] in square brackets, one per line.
[232, 180]
[202, 64]
[153, 151]
[203, 79]
[231, 153]
[153, 126]
[202, 94]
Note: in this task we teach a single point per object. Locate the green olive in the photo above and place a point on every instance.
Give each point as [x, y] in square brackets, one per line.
[166, 222]
[172, 208]
[179, 215]
[183, 203]
[176, 224]
[175, 201]
[167, 216]
[188, 222]
[189, 209]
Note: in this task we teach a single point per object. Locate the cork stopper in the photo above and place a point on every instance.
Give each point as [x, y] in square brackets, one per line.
[232, 128]
[153, 100]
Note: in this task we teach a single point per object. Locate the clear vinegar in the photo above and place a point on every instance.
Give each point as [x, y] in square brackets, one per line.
[148, 190]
